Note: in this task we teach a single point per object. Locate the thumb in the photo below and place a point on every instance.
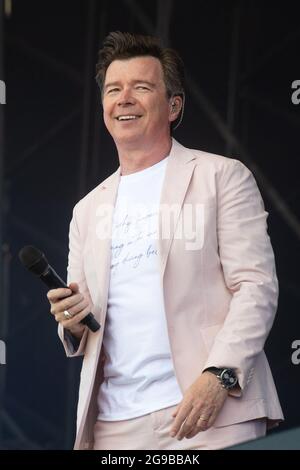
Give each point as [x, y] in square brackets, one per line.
[74, 287]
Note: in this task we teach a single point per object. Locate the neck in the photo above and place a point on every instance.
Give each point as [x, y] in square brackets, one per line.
[137, 158]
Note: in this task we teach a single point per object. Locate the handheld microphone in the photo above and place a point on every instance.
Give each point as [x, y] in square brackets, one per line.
[34, 260]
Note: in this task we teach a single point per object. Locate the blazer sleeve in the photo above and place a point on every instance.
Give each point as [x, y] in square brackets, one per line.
[74, 347]
[247, 260]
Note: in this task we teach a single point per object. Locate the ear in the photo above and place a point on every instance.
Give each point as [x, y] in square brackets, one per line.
[175, 107]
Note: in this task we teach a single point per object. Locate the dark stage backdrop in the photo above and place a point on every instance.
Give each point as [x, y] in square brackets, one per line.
[241, 60]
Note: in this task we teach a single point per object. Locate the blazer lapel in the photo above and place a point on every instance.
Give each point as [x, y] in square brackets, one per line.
[177, 178]
[103, 207]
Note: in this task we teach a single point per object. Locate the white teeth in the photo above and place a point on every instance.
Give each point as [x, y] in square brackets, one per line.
[125, 118]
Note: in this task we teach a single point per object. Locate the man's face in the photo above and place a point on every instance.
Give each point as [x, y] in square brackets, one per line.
[136, 109]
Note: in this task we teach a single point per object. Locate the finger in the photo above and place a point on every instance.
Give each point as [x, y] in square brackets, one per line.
[61, 316]
[74, 287]
[181, 416]
[78, 307]
[73, 305]
[193, 433]
[197, 420]
[189, 424]
[70, 302]
[200, 426]
[212, 419]
[75, 320]
[73, 312]
[54, 295]
[182, 432]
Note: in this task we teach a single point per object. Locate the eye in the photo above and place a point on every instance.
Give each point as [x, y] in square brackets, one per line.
[142, 87]
[112, 90]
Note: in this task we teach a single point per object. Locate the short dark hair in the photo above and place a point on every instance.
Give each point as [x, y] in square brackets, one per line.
[120, 45]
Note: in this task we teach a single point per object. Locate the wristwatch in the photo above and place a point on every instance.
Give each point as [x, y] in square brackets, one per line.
[227, 377]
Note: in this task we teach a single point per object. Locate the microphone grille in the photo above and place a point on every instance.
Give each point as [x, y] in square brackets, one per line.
[33, 259]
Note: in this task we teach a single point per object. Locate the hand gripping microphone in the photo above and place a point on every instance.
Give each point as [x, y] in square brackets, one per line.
[34, 260]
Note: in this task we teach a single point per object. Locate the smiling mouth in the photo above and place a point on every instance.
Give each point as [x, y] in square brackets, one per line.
[128, 117]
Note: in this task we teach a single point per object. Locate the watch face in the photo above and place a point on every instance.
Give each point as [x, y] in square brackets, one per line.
[228, 378]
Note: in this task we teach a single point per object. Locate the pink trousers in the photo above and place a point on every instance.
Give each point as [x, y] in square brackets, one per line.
[151, 432]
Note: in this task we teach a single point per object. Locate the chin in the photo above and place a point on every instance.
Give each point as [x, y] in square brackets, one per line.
[128, 139]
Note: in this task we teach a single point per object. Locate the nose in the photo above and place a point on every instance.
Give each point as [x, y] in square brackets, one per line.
[125, 97]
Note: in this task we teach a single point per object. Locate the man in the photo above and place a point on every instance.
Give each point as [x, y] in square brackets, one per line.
[172, 256]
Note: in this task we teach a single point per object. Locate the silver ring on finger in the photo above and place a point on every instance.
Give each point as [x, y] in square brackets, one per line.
[67, 315]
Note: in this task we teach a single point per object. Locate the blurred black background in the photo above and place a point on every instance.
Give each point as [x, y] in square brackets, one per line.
[241, 59]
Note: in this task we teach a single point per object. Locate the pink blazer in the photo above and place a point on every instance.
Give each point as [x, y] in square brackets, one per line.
[220, 289]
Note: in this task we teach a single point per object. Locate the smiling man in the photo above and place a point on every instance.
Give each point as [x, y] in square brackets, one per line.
[178, 362]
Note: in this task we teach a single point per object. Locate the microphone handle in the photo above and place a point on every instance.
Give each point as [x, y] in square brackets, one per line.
[54, 281]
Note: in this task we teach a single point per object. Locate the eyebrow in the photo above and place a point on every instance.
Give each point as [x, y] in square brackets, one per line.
[133, 81]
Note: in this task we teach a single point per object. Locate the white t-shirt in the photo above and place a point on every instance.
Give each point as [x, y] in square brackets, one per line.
[138, 372]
